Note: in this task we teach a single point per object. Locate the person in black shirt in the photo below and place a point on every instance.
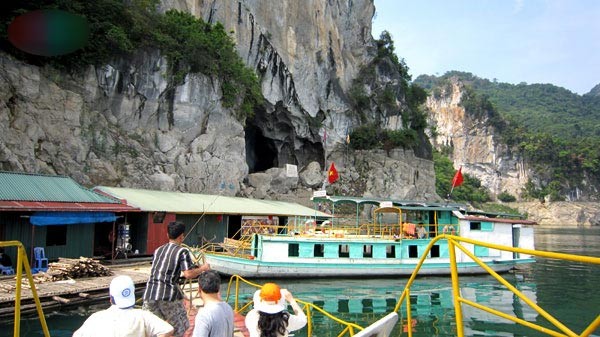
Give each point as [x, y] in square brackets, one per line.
[163, 295]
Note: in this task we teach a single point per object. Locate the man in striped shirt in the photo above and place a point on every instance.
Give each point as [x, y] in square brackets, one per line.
[162, 296]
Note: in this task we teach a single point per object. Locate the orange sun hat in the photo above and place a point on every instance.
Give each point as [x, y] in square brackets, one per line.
[270, 292]
[268, 299]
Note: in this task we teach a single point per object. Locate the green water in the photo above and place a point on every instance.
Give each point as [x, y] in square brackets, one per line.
[568, 291]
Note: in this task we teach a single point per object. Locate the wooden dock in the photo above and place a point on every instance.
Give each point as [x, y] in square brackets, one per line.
[67, 292]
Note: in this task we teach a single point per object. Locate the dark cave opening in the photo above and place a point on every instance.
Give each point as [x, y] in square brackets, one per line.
[261, 152]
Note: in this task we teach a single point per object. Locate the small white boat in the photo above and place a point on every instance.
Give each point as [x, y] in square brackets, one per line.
[390, 243]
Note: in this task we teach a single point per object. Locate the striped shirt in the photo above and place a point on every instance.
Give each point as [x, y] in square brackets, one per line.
[169, 261]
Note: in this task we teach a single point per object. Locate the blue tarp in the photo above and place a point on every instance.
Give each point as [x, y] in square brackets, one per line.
[69, 218]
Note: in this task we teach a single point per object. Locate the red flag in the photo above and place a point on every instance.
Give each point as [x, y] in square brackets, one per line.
[332, 174]
[458, 178]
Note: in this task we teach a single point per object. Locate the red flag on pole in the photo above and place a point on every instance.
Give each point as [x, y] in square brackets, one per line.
[458, 178]
[332, 174]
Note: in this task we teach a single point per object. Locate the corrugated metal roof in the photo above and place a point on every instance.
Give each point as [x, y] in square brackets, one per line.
[178, 202]
[16, 186]
[25, 206]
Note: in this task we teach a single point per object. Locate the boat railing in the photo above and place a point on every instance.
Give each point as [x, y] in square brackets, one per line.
[239, 307]
[23, 265]
[456, 242]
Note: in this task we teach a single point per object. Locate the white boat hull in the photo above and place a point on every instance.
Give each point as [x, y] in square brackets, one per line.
[257, 269]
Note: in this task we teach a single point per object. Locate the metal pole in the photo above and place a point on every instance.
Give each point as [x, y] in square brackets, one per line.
[455, 288]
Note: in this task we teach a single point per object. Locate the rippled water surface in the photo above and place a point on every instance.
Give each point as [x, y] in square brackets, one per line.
[568, 291]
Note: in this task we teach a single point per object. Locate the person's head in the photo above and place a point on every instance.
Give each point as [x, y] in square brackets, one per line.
[209, 282]
[122, 292]
[175, 229]
[268, 299]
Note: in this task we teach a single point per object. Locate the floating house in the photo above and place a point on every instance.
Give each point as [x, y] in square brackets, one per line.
[58, 215]
[208, 218]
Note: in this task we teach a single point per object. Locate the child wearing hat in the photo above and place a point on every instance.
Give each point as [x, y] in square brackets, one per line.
[269, 317]
[122, 319]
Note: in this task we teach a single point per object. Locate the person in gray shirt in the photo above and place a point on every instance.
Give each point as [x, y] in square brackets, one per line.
[215, 319]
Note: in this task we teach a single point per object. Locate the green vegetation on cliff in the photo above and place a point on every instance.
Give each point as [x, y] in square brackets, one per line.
[556, 131]
[120, 28]
[397, 97]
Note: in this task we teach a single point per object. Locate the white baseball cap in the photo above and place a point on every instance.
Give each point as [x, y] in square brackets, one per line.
[122, 291]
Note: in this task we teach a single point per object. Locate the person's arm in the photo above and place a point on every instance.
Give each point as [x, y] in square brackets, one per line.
[298, 320]
[195, 272]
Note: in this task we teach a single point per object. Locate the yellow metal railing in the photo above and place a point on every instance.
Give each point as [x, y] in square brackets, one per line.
[455, 242]
[349, 328]
[23, 264]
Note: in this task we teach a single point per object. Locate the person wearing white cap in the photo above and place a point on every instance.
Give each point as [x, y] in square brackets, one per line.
[269, 317]
[121, 319]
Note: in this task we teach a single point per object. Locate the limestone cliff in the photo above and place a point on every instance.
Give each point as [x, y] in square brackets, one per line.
[472, 143]
[121, 124]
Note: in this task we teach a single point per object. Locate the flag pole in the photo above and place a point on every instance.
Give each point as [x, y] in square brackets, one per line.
[325, 169]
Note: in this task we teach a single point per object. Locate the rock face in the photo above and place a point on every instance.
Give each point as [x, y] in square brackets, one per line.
[125, 124]
[561, 214]
[473, 143]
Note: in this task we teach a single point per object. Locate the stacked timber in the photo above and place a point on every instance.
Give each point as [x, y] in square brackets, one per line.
[66, 269]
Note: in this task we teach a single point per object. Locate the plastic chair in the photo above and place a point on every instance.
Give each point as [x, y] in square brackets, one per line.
[41, 262]
[7, 270]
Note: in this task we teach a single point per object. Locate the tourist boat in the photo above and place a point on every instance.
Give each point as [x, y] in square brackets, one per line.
[381, 238]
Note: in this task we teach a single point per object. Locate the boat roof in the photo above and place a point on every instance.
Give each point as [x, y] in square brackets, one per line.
[499, 220]
[405, 204]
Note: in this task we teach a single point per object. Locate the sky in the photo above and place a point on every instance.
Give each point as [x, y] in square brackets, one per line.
[514, 41]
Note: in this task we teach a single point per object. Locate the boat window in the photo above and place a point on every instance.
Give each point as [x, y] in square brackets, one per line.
[319, 250]
[390, 251]
[56, 235]
[293, 250]
[413, 251]
[475, 226]
[368, 251]
[435, 251]
[343, 251]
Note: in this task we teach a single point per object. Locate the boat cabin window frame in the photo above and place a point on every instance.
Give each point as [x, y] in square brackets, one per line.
[344, 250]
[367, 251]
[390, 251]
[435, 251]
[319, 250]
[413, 251]
[293, 250]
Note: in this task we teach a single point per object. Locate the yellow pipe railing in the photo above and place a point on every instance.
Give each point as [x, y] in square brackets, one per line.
[23, 264]
[236, 279]
[453, 243]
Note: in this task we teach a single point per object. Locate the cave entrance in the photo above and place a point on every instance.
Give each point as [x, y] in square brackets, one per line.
[261, 152]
